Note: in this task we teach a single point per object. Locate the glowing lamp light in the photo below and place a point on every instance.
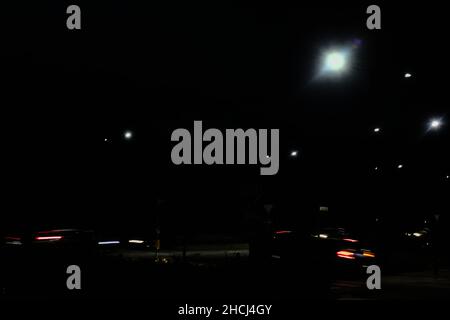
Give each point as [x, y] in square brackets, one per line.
[128, 135]
[335, 61]
[435, 124]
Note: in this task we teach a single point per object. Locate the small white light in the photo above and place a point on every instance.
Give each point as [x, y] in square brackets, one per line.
[435, 124]
[417, 234]
[376, 130]
[108, 242]
[294, 153]
[323, 236]
[408, 75]
[335, 61]
[376, 168]
[128, 135]
[400, 166]
[106, 140]
[136, 241]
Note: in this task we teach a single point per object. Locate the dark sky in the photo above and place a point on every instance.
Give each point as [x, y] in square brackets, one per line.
[152, 68]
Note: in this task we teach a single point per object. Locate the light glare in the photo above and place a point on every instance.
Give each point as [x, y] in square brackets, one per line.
[128, 135]
[49, 238]
[136, 241]
[335, 61]
[435, 124]
[108, 242]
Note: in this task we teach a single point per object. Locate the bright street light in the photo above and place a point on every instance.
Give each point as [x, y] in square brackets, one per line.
[435, 124]
[128, 135]
[335, 61]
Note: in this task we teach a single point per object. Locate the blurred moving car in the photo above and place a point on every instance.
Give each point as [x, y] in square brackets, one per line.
[332, 246]
[54, 239]
[350, 252]
[35, 262]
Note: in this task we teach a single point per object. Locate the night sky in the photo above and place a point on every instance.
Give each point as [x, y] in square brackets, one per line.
[152, 68]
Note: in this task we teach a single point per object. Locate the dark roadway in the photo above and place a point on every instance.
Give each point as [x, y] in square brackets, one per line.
[135, 274]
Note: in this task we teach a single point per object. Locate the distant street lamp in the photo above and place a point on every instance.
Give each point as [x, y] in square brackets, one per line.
[435, 124]
[128, 135]
[335, 62]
